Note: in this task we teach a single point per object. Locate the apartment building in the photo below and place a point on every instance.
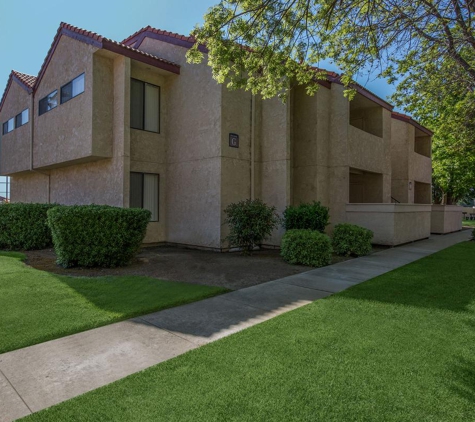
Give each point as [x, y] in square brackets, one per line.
[132, 124]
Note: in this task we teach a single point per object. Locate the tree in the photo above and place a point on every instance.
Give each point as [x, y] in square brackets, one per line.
[427, 47]
[429, 92]
[267, 45]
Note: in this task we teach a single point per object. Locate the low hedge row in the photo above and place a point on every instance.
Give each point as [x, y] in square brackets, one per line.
[311, 216]
[350, 239]
[306, 247]
[310, 247]
[97, 235]
[23, 226]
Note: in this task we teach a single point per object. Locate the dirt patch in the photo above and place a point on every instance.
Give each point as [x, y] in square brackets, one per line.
[231, 270]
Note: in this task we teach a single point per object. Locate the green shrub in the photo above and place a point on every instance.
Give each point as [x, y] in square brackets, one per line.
[23, 226]
[473, 234]
[313, 216]
[250, 223]
[349, 239]
[306, 247]
[97, 235]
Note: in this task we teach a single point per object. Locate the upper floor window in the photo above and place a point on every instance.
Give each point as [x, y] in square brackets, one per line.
[72, 89]
[8, 126]
[22, 118]
[48, 103]
[144, 106]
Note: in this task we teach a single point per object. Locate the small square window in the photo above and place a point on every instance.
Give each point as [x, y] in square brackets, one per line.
[48, 103]
[8, 126]
[21, 119]
[72, 89]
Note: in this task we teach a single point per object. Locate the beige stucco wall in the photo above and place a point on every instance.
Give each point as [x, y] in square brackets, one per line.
[15, 146]
[29, 187]
[311, 146]
[392, 224]
[446, 219]
[193, 133]
[65, 134]
[408, 166]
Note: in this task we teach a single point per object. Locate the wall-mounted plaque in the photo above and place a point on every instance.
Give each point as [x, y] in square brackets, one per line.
[234, 140]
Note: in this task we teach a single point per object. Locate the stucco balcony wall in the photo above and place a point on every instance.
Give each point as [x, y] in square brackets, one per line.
[446, 219]
[392, 224]
[421, 167]
[367, 151]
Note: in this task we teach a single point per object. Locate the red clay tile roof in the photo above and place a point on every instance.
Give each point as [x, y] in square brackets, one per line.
[410, 120]
[102, 42]
[26, 81]
[132, 39]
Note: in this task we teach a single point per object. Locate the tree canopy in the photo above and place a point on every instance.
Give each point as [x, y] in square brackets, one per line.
[262, 45]
[425, 47]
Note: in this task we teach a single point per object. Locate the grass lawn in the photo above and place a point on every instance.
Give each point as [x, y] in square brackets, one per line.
[400, 347]
[37, 306]
[468, 223]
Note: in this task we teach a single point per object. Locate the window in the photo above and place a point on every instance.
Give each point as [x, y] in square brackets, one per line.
[8, 126]
[144, 106]
[4, 188]
[48, 103]
[72, 89]
[144, 190]
[22, 118]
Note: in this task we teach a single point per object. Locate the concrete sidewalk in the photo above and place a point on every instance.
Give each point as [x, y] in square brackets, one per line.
[40, 376]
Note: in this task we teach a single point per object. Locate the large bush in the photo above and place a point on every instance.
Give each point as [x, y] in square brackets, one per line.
[23, 226]
[97, 235]
[306, 247]
[250, 223]
[349, 239]
[313, 216]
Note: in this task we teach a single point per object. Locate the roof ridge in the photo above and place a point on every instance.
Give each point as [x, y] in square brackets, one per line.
[154, 30]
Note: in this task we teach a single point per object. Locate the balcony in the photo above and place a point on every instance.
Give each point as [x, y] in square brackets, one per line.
[392, 224]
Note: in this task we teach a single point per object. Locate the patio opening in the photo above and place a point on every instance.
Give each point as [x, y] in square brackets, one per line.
[365, 187]
[422, 193]
[422, 144]
[366, 115]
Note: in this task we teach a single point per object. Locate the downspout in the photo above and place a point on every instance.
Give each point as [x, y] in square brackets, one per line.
[253, 135]
[32, 136]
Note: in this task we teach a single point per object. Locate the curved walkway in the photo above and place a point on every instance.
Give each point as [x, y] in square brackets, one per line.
[45, 374]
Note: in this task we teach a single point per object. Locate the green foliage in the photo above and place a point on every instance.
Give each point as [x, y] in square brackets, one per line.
[23, 226]
[313, 216]
[438, 97]
[268, 46]
[350, 239]
[97, 235]
[473, 234]
[250, 223]
[306, 247]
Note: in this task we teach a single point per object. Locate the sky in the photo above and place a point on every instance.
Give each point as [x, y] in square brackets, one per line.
[27, 28]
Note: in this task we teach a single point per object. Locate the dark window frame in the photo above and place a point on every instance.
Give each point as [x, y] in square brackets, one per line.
[5, 130]
[143, 108]
[142, 174]
[20, 115]
[44, 98]
[71, 82]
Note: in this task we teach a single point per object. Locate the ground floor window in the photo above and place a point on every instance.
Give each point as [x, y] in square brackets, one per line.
[144, 192]
[4, 189]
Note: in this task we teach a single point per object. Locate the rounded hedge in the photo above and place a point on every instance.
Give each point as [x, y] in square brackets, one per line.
[350, 239]
[24, 226]
[97, 235]
[306, 247]
[312, 216]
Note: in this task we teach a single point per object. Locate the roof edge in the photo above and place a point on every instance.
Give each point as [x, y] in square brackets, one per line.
[408, 119]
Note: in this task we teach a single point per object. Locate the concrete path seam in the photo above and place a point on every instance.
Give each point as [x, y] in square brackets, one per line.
[16, 391]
